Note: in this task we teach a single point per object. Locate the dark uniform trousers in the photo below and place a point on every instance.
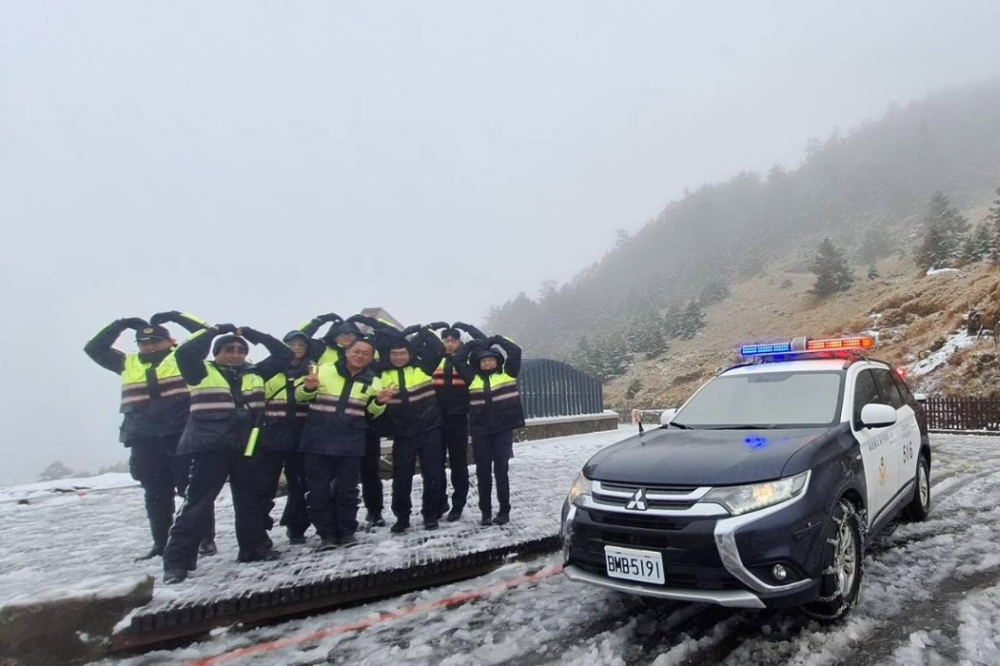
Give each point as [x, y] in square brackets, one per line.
[296, 514]
[371, 482]
[455, 434]
[162, 474]
[333, 494]
[209, 472]
[405, 451]
[262, 473]
[492, 453]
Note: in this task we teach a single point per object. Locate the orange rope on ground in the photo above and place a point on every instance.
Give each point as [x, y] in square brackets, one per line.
[361, 625]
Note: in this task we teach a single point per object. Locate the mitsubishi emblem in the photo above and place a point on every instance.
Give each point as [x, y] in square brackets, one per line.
[638, 501]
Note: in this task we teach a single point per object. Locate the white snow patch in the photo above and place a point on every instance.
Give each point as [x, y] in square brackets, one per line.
[956, 342]
[942, 271]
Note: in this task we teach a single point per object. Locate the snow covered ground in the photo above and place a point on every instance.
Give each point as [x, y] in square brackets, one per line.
[70, 538]
[35, 492]
[932, 596]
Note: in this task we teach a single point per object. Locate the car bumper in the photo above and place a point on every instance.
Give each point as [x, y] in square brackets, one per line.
[734, 598]
[722, 559]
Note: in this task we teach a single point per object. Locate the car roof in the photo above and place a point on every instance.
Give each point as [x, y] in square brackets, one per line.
[802, 365]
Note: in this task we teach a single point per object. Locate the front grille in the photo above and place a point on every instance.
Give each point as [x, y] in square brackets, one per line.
[639, 520]
[690, 556]
[618, 495]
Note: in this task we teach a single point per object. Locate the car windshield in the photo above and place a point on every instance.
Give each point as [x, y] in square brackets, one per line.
[766, 400]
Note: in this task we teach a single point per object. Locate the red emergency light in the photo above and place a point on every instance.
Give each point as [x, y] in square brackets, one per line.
[862, 342]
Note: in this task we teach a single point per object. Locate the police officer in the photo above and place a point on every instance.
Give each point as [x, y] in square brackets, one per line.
[329, 350]
[284, 418]
[227, 394]
[341, 394]
[413, 420]
[494, 413]
[453, 398]
[155, 408]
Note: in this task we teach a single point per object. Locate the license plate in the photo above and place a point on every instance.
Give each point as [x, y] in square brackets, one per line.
[644, 566]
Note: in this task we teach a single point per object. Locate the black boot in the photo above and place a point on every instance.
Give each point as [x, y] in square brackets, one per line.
[172, 576]
[374, 519]
[296, 539]
[400, 526]
[155, 551]
[326, 544]
[486, 520]
[454, 514]
[207, 548]
[502, 518]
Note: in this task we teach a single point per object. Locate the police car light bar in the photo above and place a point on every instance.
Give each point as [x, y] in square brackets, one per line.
[805, 346]
[837, 344]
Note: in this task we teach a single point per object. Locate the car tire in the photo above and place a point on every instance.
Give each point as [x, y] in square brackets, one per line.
[920, 507]
[840, 586]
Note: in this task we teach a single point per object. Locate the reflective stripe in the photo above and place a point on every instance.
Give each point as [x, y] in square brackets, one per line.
[506, 396]
[217, 407]
[144, 398]
[477, 402]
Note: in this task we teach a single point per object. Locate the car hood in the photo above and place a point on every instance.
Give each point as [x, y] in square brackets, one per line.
[667, 456]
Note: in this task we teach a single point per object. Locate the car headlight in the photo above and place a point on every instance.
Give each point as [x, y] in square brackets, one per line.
[744, 499]
[580, 488]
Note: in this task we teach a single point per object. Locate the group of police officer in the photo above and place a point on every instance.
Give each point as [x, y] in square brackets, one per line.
[317, 409]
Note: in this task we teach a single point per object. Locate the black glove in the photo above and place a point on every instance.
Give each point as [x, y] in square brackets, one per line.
[474, 345]
[161, 317]
[329, 316]
[225, 328]
[410, 330]
[251, 334]
[438, 325]
[366, 320]
[496, 339]
[132, 322]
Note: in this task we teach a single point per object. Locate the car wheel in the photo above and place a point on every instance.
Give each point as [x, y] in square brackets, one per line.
[921, 504]
[840, 587]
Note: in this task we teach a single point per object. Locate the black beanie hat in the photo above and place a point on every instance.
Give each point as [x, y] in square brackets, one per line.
[228, 339]
[451, 333]
[291, 335]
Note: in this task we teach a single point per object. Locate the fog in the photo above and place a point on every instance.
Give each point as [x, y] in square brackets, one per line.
[258, 163]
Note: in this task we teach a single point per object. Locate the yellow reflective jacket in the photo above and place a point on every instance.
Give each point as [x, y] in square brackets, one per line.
[221, 417]
[414, 409]
[154, 398]
[339, 411]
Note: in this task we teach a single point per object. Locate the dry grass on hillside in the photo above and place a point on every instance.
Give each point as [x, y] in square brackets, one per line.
[912, 315]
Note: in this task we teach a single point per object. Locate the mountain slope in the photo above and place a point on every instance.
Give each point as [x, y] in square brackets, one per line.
[865, 190]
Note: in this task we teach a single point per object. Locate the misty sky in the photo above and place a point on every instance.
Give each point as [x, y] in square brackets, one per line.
[261, 162]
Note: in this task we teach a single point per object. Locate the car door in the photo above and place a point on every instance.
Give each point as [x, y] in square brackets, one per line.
[873, 443]
[906, 440]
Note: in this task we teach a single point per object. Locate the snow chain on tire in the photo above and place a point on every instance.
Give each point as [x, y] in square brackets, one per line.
[833, 605]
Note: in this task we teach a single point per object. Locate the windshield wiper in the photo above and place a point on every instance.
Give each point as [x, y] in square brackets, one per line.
[743, 426]
[678, 425]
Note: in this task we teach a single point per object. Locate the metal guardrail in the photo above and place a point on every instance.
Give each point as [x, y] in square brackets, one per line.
[552, 388]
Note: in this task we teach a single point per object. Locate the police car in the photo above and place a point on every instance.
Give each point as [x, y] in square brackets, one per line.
[762, 490]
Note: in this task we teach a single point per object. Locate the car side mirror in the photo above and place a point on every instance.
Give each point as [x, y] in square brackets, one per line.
[878, 416]
[920, 397]
[667, 415]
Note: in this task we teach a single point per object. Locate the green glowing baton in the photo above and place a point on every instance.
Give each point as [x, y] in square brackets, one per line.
[252, 441]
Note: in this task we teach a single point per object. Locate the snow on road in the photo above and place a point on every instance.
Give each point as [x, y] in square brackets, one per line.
[932, 596]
